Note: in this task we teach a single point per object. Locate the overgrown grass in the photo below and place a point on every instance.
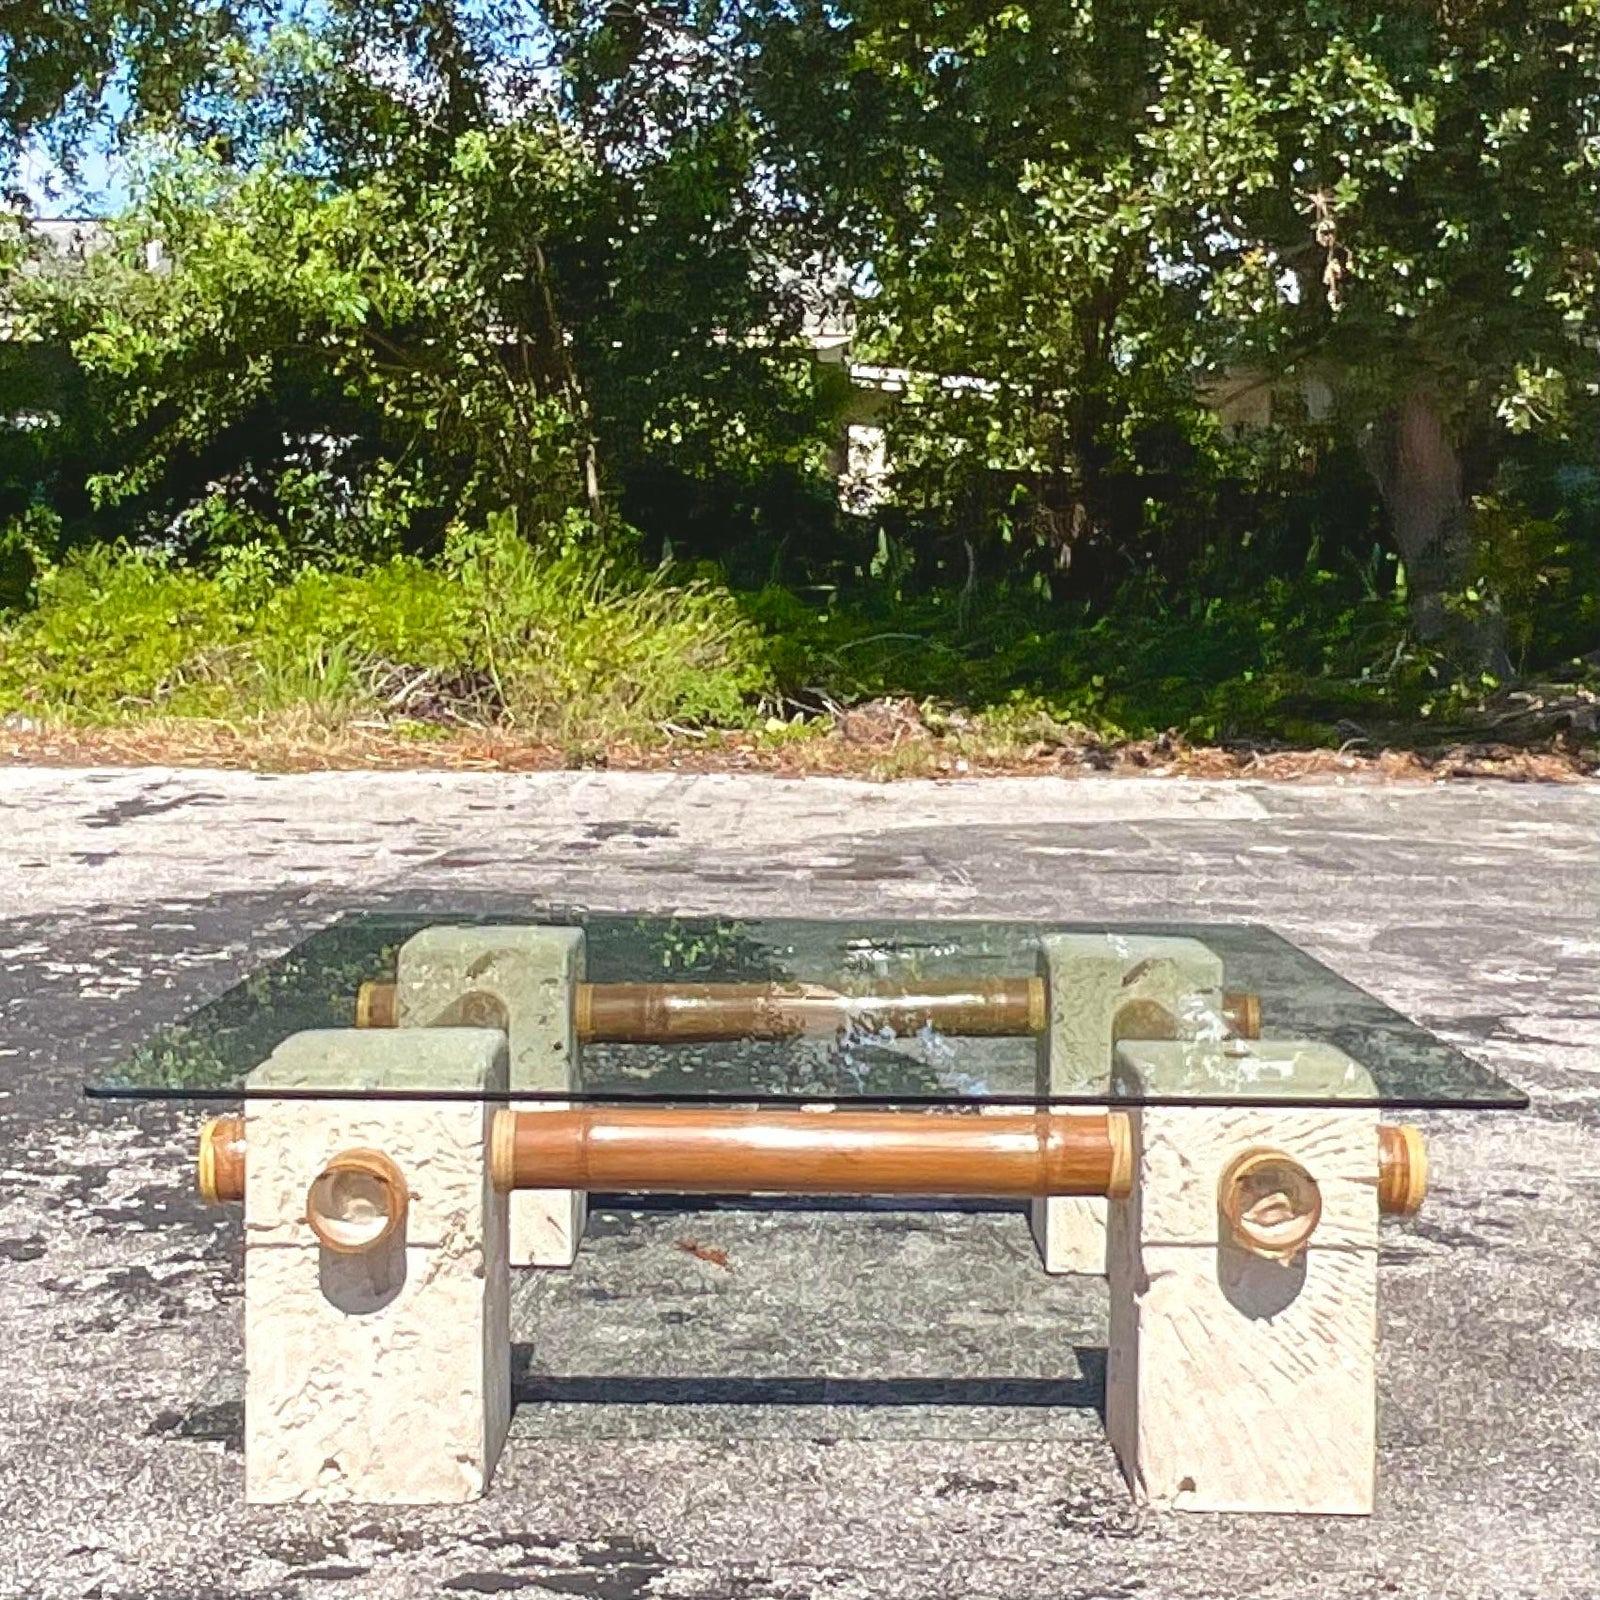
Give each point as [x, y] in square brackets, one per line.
[1291, 659]
[570, 647]
[564, 645]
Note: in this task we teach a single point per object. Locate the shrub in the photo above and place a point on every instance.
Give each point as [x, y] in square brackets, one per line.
[580, 645]
[572, 645]
[112, 632]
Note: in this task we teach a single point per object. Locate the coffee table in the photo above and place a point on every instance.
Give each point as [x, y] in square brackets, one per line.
[1195, 1113]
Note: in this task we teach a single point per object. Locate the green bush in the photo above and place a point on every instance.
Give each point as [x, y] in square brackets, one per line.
[1284, 658]
[113, 632]
[570, 640]
[582, 647]
[572, 645]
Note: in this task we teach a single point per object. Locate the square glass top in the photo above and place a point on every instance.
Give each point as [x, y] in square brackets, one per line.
[706, 1010]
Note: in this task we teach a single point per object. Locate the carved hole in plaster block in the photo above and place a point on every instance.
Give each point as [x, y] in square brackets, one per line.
[1254, 1286]
[476, 1009]
[360, 1285]
[1143, 1019]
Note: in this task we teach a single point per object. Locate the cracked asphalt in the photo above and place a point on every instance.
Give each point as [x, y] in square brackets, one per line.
[775, 1402]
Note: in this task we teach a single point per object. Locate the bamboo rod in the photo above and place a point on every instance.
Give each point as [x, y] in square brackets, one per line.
[686, 1013]
[838, 1153]
[716, 1150]
[704, 1013]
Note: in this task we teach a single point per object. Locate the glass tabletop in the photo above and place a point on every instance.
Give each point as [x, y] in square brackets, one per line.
[705, 1010]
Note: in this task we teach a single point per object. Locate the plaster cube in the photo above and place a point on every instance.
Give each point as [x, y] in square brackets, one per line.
[382, 1376]
[523, 980]
[1105, 987]
[1235, 1381]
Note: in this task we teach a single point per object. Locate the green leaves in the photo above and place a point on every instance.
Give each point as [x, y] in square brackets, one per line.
[565, 644]
[1125, 278]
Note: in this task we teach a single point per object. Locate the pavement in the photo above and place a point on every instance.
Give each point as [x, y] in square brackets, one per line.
[859, 1400]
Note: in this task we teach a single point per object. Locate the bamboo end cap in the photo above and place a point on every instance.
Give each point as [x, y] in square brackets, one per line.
[206, 1164]
[1270, 1204]
[1243, 1011]
[357, 1203]
[375, 1004]
[219, 1160]
[1402, 1169]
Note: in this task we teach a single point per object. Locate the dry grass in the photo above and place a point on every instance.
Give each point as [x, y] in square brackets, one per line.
[883, 747]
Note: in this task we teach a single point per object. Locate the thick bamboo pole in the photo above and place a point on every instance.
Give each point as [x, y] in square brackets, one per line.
[685, 1013]
[716, 1150]
[703, 1013]
[720, 1151]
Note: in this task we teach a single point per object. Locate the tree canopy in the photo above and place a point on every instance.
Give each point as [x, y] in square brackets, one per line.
[421, 262]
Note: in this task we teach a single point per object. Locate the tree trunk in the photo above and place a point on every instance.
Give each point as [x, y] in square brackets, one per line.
[588, 446]
[1417, 466]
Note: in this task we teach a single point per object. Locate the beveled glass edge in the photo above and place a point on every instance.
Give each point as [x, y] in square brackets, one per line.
[1517, 1101]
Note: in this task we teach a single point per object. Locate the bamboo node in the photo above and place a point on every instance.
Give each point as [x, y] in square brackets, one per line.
[1402, 1169]
[503, 1150]
[1119, 1130]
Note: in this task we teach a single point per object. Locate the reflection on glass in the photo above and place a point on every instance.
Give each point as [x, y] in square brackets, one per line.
[698, 1009]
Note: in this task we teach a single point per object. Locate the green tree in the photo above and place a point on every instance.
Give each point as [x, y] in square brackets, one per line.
[1088, 210]
[1438, 202]
[440, 276]
[74, 69]
[438, 257]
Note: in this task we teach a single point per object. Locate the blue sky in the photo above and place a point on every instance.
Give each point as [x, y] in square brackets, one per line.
[100, 188]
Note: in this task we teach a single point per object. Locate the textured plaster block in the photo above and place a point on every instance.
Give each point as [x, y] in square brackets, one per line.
[522, 980]
[382, 1377]
[289, 1141]
[1178, 1189]
[1105, 987]
[1237, 1383]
